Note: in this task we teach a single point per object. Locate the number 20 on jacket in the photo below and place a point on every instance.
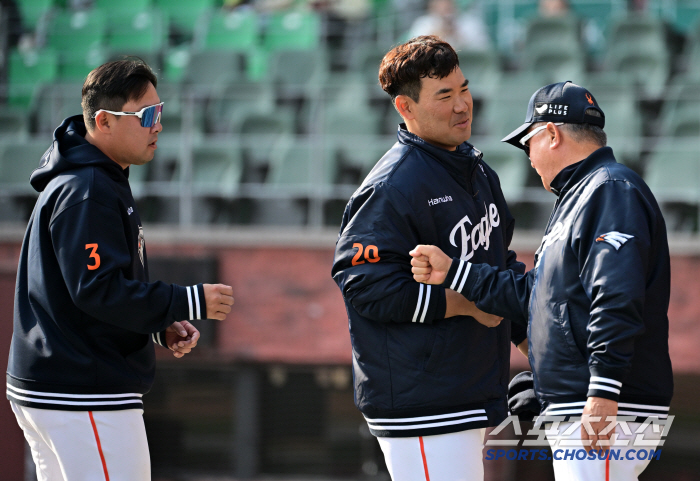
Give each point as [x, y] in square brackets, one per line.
[371, 254]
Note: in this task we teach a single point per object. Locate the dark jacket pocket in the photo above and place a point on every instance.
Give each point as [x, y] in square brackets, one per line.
[561, 312]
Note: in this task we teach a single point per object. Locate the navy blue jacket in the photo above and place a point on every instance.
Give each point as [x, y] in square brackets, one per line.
[85, 315]
[597, 299]
[416, 373]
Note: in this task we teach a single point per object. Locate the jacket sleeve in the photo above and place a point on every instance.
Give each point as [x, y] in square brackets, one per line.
[372, 266]
[94, 258]
[518, 330]
[505, 293]
[612, 236]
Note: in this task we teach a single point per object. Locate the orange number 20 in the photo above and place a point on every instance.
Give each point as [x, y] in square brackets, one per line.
[94, 255]
[371, 254]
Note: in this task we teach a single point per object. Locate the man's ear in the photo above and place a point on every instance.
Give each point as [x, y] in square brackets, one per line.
[103, 122]
[555, 135]
[405, 106]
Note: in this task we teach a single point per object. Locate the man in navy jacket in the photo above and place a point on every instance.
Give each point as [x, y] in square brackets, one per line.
[86, 316]
[430, 370]
[597, 299]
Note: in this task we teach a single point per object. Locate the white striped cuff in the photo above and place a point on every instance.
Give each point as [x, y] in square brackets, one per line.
[422, 304]
[159, 338]
[461, 276]
[195, 302]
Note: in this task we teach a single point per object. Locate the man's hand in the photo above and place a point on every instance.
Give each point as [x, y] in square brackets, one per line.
[430, 264]
[599, 408]
[219, 299]
[181, 338]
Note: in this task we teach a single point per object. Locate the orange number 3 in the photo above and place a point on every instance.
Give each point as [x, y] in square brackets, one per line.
[94, 255]
[371, 254]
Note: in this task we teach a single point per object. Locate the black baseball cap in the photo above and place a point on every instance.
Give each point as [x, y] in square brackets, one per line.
[561, 102]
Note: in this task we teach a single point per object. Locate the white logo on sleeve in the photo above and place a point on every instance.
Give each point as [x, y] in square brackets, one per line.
[615, 239]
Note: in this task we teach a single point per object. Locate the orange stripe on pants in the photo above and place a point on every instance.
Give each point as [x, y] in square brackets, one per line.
[425, 461]
[99, 446]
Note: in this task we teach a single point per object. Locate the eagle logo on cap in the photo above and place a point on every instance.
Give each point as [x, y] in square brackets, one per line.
[541, 109]
[589, 98]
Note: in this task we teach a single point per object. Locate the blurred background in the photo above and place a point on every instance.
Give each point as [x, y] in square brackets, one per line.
[273, 115]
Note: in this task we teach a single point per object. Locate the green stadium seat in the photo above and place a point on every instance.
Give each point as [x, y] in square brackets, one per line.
[685, 15]
[183, 15]
[298, 72]
[211, 67]
[122, 8]
[680, 114]
[236, 30]
[81, 30]
[27, 72]
[78, 37]
[14, 123]
[481, 67]
[53, 103]
[216, 170]
[293, 31]
[510, 164]
[33, 12]
[262, 135]
[175, 61]
[623, 124]
[669, 158]
[17, 162]
[137, 33]
[232, 101]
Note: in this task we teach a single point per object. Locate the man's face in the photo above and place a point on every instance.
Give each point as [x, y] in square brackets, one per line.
[542, 158]
[132, 144]
[443, 113]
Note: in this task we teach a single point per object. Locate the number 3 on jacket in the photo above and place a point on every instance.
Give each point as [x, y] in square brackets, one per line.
[94, 255]
[371, 254]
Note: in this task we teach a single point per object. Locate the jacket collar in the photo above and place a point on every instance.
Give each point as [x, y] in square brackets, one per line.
[575, 173]
[460, 163]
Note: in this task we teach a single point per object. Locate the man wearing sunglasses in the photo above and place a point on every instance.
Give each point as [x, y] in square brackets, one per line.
[86, 315]
[597, 299]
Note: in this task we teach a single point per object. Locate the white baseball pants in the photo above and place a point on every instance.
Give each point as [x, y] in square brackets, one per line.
[625, 467]
[86, 445]
[444, 457]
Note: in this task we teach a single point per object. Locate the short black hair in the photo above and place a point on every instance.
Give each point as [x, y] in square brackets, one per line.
[113, 84]
[404, 66]
[588, 132]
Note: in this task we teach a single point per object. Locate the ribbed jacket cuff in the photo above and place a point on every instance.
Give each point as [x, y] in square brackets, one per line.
[194, 306]
[430, 304]
[457, 275]
[603, 386]
[159, 338]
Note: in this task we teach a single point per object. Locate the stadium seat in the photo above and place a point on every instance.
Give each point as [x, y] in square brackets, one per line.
[680, 114]
[685, 15]
[216, 170]
[503, 113]
[235, 30]
[78, 37]
[595, 18]
[122, 8]
[137, 33]
[183, 15]
[55, 102]
[510, 164]
[293, 31]
[230, 102]
[480, 67]
[670, 158]
[298, 72]
[27, 72]
[14, 123]
[638, 54]
[18, 159]
[623, 124]
[263, 134]
[211, 67]
[33, 12]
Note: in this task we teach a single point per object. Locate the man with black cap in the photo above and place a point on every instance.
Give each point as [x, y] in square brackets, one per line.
[597, 299]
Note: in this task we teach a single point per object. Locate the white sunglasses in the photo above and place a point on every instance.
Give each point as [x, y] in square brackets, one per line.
[149, 116]
[534, 132]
